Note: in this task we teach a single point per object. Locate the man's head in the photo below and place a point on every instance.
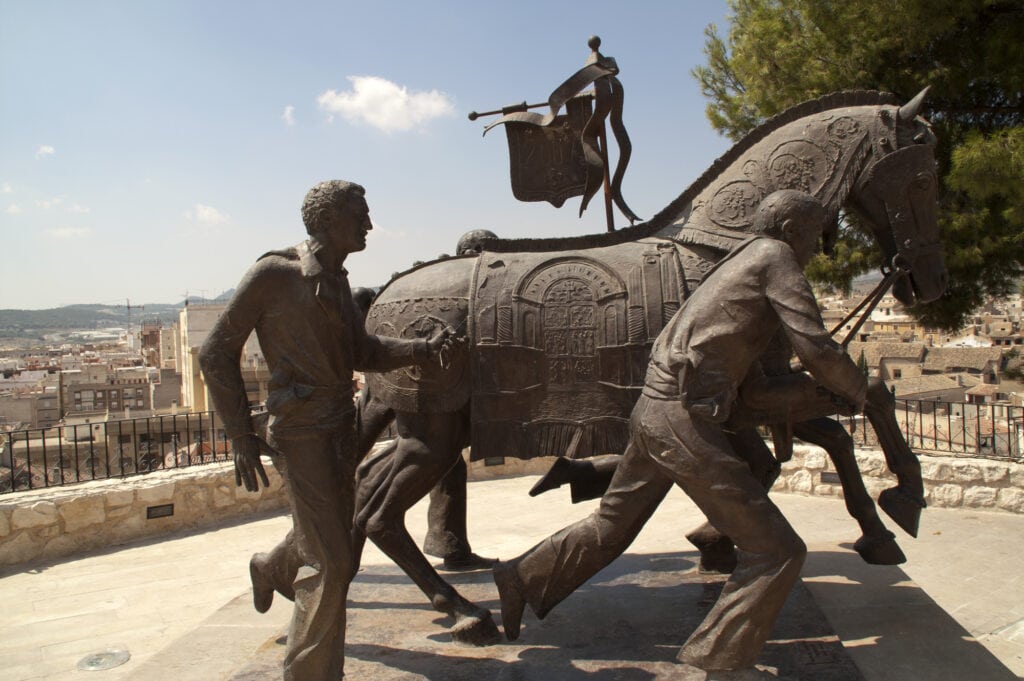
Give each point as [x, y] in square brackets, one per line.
[336, 215]
[794, 217]
[473, 241]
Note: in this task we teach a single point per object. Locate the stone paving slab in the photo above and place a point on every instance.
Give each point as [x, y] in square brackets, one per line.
[626, 624]
[962, 580]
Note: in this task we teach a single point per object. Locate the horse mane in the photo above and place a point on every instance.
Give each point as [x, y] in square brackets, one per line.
[665, 216]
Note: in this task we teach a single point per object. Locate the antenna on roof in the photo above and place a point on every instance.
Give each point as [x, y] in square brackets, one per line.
[128, 306]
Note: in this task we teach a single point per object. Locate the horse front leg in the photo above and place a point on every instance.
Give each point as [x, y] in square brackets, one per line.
[904, 502]
[877, 545]
[390, 484]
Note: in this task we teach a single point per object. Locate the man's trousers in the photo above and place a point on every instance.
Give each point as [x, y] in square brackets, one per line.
[667, 446]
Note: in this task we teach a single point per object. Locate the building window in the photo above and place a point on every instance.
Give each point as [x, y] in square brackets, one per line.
[897, 373]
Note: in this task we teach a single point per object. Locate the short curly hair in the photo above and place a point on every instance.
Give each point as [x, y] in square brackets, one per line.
[472, 241]
[788, 204]
[320, 199]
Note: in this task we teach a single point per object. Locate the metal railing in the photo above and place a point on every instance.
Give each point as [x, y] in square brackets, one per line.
[35, 458]
[987, 431]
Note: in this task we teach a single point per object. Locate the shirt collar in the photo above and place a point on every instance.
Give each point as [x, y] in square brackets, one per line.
[308, 262]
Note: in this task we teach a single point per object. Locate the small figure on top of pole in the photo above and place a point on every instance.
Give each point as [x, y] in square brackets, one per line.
[556, 156]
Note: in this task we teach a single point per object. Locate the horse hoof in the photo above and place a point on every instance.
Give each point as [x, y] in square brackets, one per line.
[717, 564]
[476, 630]
[880, 550]
[717, 552]
[904, 509]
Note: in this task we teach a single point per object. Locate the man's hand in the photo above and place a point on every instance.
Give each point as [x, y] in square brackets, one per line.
[442, 344]
[247, 462]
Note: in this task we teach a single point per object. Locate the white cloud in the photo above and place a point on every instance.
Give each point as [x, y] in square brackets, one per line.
[384, 104]
[289, 115]
[47, 204]
[13, 209]
[6, 188]
[385, 234]
[45, 150]
[77, 208]
[69, 232]
[206, 215]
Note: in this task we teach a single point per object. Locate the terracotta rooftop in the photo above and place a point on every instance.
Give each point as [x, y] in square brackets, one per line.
[875, 352]
[922, 385]
[952, 359]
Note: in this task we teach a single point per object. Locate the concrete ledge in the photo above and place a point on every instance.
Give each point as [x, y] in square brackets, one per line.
[56, 522]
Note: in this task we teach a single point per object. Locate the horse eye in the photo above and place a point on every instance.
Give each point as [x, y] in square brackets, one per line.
[923, 182]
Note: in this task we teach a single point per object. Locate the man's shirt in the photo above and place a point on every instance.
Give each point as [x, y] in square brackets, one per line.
[705, 351]
[312, 337]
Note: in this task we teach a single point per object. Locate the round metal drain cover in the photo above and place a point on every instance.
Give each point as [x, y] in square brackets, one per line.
[102, 661]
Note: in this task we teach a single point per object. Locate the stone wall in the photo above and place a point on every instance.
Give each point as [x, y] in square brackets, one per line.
[52, 523]
[950, 482]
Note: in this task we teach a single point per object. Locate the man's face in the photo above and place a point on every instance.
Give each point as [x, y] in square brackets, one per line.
[804, 241]
[347, 226]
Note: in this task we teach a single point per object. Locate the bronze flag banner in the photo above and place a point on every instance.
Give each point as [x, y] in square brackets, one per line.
[547, 162]
[557, 156]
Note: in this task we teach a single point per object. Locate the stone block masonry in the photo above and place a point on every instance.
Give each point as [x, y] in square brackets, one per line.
[55, 522]
[950, 482]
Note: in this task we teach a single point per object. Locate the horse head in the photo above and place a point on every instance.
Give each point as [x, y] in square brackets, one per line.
[896, 197]
[856, 151]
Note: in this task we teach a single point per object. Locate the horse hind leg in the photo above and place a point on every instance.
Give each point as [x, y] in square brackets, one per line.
[904, 502]
[389, 485]
[877, 545]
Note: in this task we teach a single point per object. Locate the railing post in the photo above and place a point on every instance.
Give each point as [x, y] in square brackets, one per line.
[135, 445]
[46, 464]
[162, 459]
[10, 454]
[188, 439]
[60, 458]
[107, 450]
[995, 435]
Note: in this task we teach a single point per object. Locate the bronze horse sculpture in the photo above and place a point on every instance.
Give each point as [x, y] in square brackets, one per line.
[560, 330]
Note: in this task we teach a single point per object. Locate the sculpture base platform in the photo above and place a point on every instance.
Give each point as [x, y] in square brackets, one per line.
[627, 623]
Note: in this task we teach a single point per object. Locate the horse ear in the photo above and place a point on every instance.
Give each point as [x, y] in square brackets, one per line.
[908, 112]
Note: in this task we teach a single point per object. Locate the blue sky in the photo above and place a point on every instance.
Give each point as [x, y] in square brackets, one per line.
[149, 149]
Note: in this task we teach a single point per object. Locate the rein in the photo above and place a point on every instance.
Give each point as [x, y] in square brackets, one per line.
[869, 302]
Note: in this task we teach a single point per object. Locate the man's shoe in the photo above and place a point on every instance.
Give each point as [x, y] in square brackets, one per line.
[511, 596]
[560, 473]
[467, 562]
[262, 587]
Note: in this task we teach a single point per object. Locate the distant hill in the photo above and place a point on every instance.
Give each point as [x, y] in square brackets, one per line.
[35, 323]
